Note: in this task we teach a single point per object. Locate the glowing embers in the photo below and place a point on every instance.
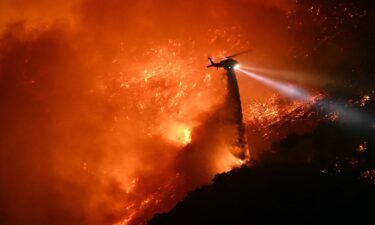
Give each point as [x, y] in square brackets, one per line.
[362, 147]
[369, 175]
[337, 110]
[265, 115]
[364, 100]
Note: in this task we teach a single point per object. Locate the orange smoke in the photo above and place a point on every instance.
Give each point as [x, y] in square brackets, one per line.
[108, 114]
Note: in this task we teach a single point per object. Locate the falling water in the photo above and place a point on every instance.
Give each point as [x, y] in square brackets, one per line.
[234, 101]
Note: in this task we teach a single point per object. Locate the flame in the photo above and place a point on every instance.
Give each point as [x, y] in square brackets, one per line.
[120, 108]
[274, 118]
[227, 162]
[265, 115]
[364, 100]
[178, 133]
[362, 147]
[187, 136]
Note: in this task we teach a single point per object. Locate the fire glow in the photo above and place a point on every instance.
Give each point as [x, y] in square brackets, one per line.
[113, 113]
[178, 133]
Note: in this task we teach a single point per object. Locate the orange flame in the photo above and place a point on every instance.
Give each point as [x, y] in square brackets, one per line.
[117, 109]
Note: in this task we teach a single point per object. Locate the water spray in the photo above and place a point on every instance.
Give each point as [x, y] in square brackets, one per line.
[234, 102]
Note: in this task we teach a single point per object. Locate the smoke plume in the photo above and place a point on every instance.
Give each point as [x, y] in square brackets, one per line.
[108, 114]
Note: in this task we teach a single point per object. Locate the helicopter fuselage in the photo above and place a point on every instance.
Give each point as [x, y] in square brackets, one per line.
[228, 64]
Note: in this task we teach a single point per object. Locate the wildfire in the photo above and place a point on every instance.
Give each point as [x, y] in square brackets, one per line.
[178, 133]
[227, 161]
[176, 92]
[187, 136]
[266, 115]
[364, 100]
[362, 147]
[274, 118]
[122, 109]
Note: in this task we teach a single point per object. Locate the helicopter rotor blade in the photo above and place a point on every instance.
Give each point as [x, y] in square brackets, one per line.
[240, 53]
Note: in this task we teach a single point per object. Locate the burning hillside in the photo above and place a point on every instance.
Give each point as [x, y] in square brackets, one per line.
[109, 114]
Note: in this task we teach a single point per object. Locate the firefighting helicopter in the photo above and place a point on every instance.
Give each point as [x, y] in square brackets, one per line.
[227, 63]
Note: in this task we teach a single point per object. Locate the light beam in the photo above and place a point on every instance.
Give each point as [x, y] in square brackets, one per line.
[284, 88]
[347, 115]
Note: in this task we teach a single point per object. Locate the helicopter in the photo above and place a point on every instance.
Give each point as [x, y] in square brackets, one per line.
[228, 63]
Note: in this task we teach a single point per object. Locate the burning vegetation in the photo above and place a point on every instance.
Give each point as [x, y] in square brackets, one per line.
[109, 115]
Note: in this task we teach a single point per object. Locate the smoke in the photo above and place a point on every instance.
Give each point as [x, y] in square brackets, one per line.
[47, 133]
[107, 111]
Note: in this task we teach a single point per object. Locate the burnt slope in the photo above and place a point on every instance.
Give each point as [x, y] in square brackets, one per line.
[264, 195]
[305, 179]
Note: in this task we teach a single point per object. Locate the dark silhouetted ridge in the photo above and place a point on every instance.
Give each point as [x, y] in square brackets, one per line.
[263, 195]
